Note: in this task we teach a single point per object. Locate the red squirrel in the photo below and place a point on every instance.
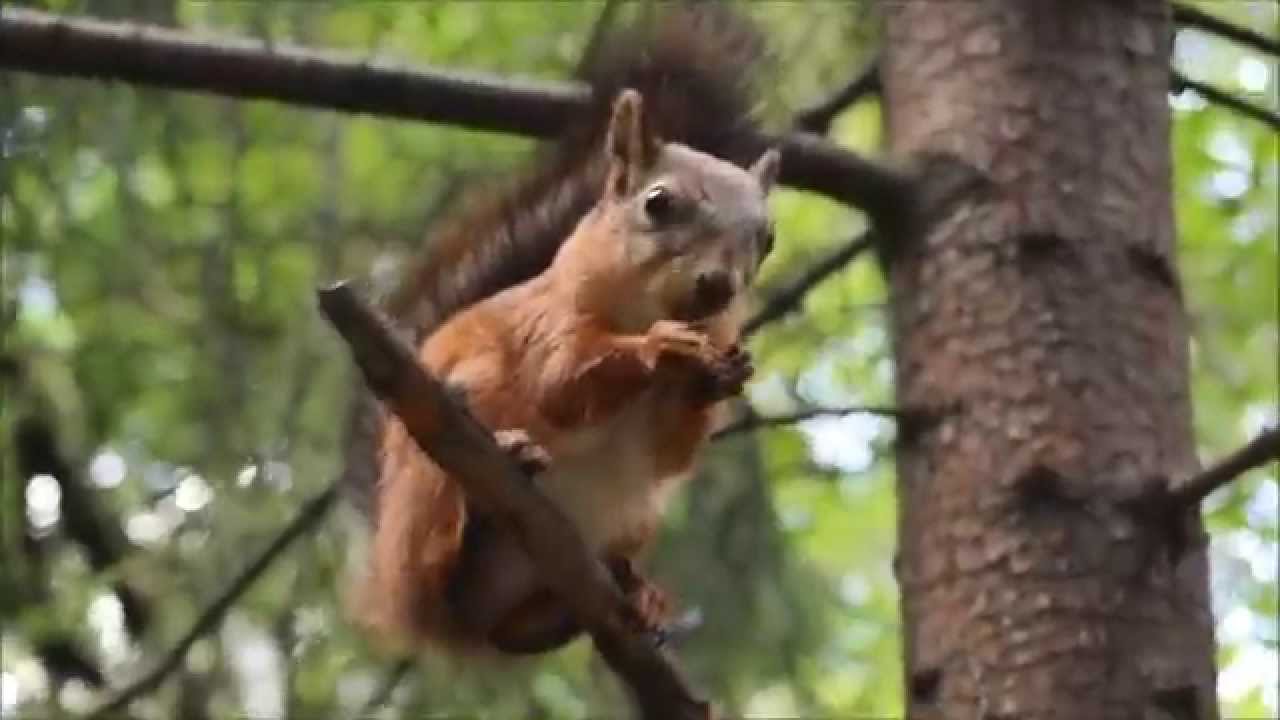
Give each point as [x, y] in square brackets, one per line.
[590, 318]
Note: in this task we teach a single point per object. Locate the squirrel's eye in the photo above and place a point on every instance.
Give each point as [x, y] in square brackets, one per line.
[659, 205]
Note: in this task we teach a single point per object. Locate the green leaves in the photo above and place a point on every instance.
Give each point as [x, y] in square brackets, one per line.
[161, 250]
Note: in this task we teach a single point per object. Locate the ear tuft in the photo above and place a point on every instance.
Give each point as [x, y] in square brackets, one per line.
[632, 148]
[766, 169]
[624, 125]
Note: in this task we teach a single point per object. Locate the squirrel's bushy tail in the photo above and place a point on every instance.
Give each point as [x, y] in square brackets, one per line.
[694, 65]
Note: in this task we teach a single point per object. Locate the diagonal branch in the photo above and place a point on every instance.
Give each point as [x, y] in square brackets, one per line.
[1221, 97]
[599, 33]
[789, 297]
[1201, 20]
[177, 60]
[1261, 450]
[817, 118]
[312, 512]
[449, 434]
[753, 421]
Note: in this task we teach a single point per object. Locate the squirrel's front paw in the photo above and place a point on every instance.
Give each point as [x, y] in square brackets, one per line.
[673, 340]
[726, 378]
[529, 455]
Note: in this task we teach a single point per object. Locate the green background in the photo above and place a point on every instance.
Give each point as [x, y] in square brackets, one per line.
[160, 252]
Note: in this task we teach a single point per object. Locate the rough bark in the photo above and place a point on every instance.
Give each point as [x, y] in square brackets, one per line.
[1042, 311]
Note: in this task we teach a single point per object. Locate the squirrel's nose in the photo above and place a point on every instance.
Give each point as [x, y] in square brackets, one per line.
[714, 290]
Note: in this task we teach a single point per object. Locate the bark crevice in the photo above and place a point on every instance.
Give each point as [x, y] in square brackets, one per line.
[1022, 297]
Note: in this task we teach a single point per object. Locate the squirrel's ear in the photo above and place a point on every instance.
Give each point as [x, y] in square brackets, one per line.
[766, 168]
[632, 148]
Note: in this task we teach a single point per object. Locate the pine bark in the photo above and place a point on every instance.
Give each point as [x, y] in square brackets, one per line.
[1038, 317]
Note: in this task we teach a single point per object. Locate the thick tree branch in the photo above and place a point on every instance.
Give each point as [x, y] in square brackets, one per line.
[1201, 20]
[237, 67]
[818, 118]
[788, 298]
[1261, 450]
[312, 512]
[457, 442]
[1221, 97]
[752, 421]
[158, 57]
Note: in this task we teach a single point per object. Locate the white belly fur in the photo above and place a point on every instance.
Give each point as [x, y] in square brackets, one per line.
[604, 478]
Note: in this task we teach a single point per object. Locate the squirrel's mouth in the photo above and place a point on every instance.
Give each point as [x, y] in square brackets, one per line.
[701, 308]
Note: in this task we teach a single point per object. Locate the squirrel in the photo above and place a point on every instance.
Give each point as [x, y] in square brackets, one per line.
[590, 317]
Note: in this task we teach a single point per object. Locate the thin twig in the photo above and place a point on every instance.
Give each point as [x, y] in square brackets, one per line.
[1201, 20]
[47, 44]
[382, 694]
[789, 297]
[599, 33]
[818, 118]
[312, 512]
[752, 421]
[1262, 449]
[448, 433]
[1218, 96]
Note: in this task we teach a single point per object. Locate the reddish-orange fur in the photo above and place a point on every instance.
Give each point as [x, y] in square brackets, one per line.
[612, 361]
[516, 379]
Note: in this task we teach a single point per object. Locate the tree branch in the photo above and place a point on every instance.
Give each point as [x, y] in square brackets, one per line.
[1262, 449]
[312, 512]
[159, 57]
[84, 521]
[458, 443]
[818, 118]
[752, 421]
[1221, 97]
[599, 33]
[788, 298]
[1201, 20]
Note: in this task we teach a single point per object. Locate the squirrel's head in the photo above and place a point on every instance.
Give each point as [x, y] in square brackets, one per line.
[681, 233]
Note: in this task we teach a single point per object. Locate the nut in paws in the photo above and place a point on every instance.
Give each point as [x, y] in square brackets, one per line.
[727, 377]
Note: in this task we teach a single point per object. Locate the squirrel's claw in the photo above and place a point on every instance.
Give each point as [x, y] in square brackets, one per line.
[659, 637]
[718, 373]
[647, 605]
[519, 446]
[674, 340]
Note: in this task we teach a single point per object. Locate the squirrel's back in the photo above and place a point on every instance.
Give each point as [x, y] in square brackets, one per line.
[693, 64]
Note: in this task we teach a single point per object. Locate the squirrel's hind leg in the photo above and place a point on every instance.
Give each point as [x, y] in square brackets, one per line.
[496, 595]
[495, 591]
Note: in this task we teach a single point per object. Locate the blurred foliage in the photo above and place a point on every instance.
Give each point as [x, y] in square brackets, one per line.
[160, 252]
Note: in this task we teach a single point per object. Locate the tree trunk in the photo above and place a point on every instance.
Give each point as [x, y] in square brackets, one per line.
[1038, 317]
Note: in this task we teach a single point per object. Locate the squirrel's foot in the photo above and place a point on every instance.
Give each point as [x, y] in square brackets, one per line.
[647, 605]
[529, 455]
